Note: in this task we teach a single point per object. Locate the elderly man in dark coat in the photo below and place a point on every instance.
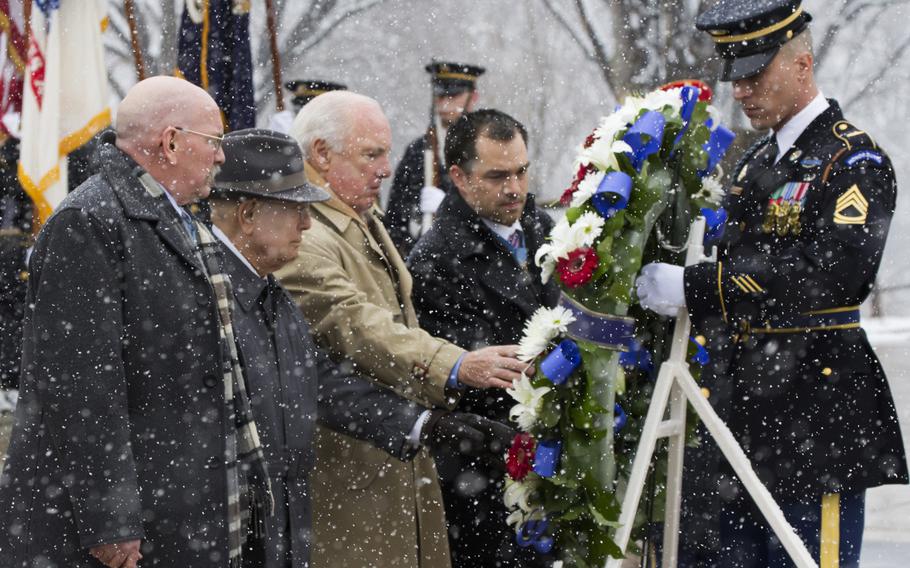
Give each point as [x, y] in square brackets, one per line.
[121, 450]
[475, 284]
[260, 207]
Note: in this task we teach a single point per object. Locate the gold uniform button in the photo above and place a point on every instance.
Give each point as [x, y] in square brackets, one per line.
[705, 392]
[23, 275]
[827, 371]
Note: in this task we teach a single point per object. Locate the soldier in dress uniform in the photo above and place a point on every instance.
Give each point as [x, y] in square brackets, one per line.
[809, 208]
[302, 91]
[415, 195]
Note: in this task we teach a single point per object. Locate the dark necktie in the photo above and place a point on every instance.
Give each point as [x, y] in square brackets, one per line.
[772, 150]
[516, 239]
[267, 303]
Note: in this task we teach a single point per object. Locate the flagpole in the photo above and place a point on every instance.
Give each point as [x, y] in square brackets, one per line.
[27, 18]
[276, 57]
[130, 10]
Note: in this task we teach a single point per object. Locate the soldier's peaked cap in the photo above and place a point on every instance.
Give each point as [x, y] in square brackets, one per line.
[450, 78]
[264, 163]
[748, 34]
[305, 90]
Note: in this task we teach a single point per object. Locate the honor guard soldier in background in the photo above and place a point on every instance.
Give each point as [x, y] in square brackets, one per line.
[302, 91]
[809, 208]
[417, 190]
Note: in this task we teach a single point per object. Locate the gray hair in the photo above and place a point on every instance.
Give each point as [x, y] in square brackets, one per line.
[328, 117]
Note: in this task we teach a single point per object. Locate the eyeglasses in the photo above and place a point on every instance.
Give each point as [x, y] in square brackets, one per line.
[214, 141]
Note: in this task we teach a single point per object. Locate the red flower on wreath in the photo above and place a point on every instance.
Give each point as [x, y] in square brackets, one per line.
[577, 269]
[566, 198]
[704, 91]
[521, 456]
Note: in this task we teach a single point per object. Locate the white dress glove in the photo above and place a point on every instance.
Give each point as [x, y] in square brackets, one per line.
[660, 288]
[430, 198]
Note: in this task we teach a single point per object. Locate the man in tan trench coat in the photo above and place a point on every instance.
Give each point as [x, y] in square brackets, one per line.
[351, 284]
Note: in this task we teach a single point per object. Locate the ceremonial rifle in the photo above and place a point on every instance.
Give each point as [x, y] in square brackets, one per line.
[430, 155]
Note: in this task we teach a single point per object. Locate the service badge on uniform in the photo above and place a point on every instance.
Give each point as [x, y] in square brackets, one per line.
[851, 208]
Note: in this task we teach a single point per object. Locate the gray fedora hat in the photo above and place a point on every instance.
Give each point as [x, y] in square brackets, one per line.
[264, 163]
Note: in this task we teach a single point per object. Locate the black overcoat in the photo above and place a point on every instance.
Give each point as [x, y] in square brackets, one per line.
[472, 291]
[120, 426]
[402, 216]
[15, 232]
[293, 384]
[811, 407]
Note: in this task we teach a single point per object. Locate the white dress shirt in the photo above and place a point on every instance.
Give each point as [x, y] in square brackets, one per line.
[789, 132]
[504, 231]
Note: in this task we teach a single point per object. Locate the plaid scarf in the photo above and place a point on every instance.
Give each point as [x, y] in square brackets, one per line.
[249, 493]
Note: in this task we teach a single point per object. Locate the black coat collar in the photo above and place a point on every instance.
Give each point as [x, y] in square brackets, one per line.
[247, 285]
[122, 174]
[455, 215]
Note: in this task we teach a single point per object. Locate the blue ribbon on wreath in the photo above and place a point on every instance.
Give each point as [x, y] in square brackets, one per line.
[637, 357]
[612, 332]
[612, 194]
[619, 418]
[701, 354]
[715, 221]
[533, 533]
[716, 146]
[645, 137]
[561, 362]
[546, 457]
[689, 96]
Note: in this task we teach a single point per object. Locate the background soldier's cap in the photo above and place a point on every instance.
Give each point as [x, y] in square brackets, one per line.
[305, 90]
[452, 78]
[264, 163]
[747, 34]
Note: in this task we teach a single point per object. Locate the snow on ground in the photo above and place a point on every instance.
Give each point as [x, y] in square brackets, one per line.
[887, 537]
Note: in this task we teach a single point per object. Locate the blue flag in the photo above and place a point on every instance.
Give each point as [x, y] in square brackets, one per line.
[214, 53]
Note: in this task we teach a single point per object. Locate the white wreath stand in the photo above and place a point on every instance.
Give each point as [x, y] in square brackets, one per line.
[675, 386]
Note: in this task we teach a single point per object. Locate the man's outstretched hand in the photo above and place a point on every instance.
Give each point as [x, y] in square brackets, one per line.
[494, 367]
[118, 554]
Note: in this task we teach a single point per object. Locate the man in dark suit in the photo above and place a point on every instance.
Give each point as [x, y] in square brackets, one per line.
[475, 284]
[260, 207]
[808, 214]
[121, 448]
[416, 194]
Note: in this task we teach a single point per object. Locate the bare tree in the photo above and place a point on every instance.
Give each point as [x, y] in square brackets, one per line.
[636, 44]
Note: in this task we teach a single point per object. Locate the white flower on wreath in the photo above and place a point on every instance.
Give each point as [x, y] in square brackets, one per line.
[586, 188]
[564, 238]
[518, 493]
[658, 100]
[587, 229]
[544, 326]
[519, 517]
[603, 154]
[529, 400]
[712, 191]
[547, 267]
